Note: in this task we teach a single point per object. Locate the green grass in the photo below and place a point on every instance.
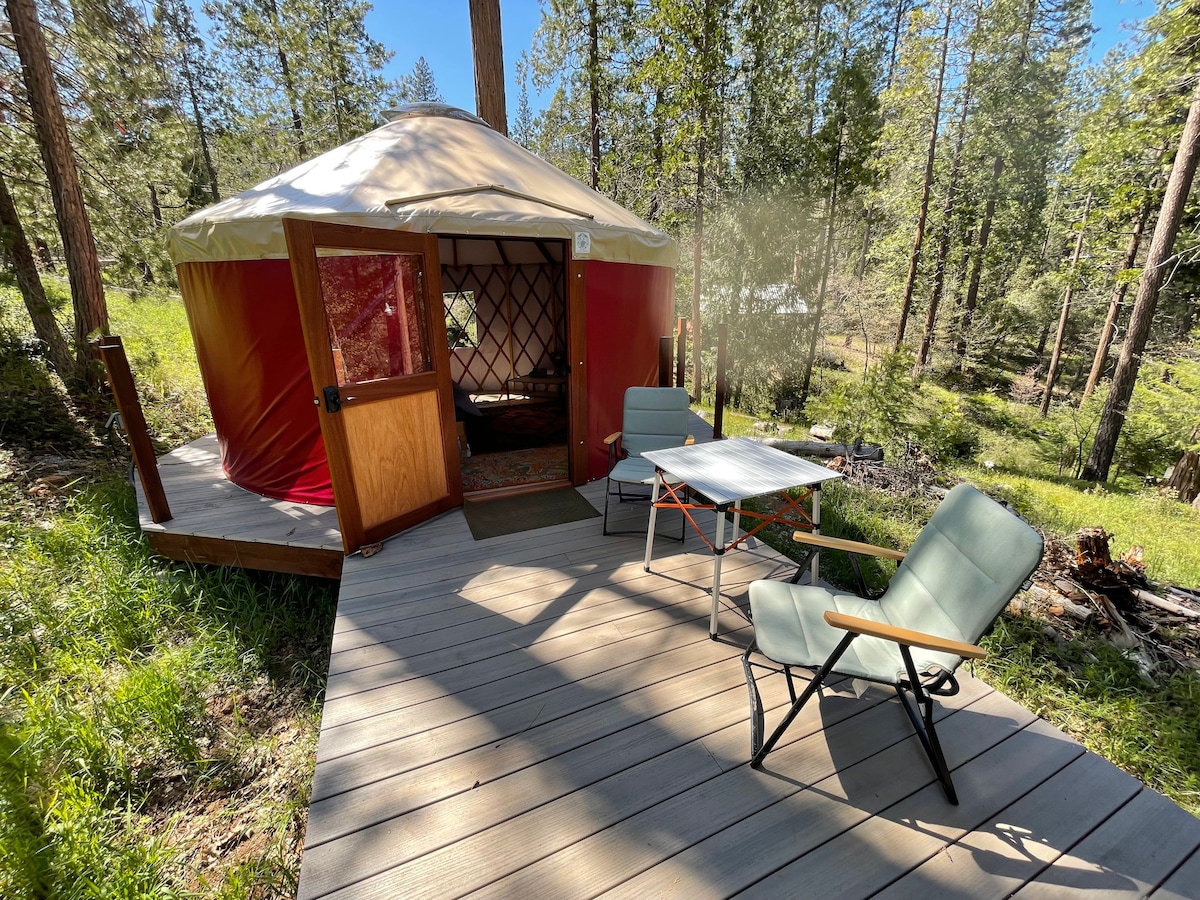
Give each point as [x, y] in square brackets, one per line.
[1167, 529]
[112, 661]
[147, 709]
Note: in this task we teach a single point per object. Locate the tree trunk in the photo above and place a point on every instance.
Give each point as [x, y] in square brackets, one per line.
[943, 250]
[489, 64]
[79, 247]
[289, 86]
[594, 91]
[914, 258]
[45, 326]
[339, 77]
[155, 206]
[202, 134]
[985, 231]
[1153, 275]
[1185, 476]
[826, 257]
[697, 257]
[902, 7]
[814, 67]
[1115, 302]
[659, 152]
[1056, 356]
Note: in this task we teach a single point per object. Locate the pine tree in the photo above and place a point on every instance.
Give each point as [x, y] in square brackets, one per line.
[83, 266]
[195, 83]
[419, 86]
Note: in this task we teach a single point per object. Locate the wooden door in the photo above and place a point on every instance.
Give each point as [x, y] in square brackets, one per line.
[375, 332]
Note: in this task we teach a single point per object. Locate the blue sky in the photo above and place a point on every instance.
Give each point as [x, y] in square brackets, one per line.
[441, 32]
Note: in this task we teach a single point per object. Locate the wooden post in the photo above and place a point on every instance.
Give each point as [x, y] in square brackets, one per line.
[680, 351]
[664, 361]
[112, 352]
[719, 404]
[489, 63]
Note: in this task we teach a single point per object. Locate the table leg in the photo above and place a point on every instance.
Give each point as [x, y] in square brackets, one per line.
[816, 523]
[737, 521]
[718, 555]
[653, 517]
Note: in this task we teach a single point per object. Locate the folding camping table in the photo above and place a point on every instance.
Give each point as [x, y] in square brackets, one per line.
[726, 473]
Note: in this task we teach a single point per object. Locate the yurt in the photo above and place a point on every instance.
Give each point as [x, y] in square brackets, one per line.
[427, 310]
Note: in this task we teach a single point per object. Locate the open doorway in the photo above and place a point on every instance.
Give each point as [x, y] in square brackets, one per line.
[506, 325]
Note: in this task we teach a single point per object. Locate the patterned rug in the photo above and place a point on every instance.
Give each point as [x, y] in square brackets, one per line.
[485, 471]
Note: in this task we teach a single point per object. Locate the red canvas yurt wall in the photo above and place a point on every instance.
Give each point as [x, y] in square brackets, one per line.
[628, 309]
[246, 327]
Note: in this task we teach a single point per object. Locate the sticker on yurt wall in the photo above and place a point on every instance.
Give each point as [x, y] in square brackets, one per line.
[583, 243]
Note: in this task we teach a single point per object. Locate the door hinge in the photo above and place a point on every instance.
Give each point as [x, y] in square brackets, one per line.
[333, 400]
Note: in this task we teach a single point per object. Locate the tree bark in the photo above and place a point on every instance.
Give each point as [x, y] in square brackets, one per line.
[79, 246]
[985, 231]
[289, 86]
[45, 326]
[1115, 302]
[943, 250]
[1161, 245]
[826, 256]
[914, 258]
[202, 134]
[489, 64]
[594, 92]
[697, 257]
[1064, 318]
[1185, 477]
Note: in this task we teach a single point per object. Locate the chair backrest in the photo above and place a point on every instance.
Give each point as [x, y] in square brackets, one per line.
[654, 419]
[963, 568]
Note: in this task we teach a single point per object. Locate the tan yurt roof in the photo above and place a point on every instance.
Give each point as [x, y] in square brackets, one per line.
[434, 169]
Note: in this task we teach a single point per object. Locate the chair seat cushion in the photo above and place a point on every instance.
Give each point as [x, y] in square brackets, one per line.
[633, 470]
[790, 628]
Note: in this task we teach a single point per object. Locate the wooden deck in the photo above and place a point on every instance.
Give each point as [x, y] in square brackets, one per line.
[536, 716]
[215, 521]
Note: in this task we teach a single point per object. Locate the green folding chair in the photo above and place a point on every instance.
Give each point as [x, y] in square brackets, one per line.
[962, 570]
[653, 419]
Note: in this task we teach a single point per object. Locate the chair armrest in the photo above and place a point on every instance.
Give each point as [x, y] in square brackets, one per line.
[612, 438]
[903, 635]
[820, 540]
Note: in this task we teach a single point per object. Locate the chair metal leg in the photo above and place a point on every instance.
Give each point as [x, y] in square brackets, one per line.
[607, 489]
[621, 499]
[756, 710]
[923, 724]
[811, 689]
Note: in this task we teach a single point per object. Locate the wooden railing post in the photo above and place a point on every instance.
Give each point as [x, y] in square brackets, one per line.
[120, 379]
[680, 350]
[664, 361]
[719, 402]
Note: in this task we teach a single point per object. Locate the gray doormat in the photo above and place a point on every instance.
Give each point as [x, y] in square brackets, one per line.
[525, 512]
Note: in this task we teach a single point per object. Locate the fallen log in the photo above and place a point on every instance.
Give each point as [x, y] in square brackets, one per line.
[822, 450]
[1166, 605]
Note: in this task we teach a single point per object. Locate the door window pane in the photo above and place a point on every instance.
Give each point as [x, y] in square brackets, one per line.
[376, 315]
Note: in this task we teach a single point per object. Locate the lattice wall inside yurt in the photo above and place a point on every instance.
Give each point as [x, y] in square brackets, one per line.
[505, 310]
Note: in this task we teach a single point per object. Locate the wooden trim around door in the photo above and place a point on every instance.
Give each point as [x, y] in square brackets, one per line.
[577, 354]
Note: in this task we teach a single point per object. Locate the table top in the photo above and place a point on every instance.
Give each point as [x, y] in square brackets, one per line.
[737, 469]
